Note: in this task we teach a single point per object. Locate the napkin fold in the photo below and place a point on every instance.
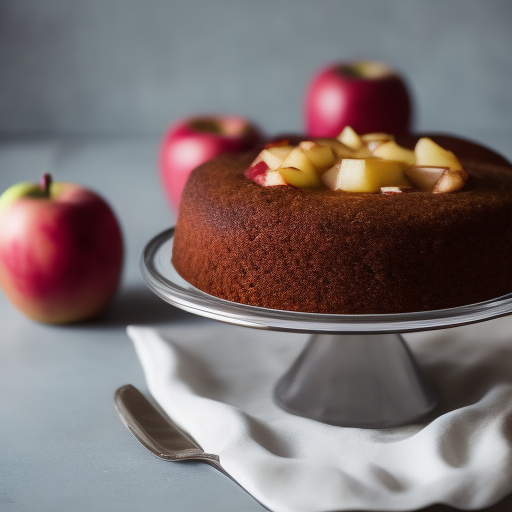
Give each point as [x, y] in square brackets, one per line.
[216, 380]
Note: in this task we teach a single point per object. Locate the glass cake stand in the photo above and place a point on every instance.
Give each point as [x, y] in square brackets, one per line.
[355, 371]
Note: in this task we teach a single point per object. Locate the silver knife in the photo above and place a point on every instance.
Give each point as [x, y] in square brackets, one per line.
[159, 434]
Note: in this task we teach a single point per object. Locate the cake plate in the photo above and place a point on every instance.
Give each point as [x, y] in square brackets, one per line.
[355, 371]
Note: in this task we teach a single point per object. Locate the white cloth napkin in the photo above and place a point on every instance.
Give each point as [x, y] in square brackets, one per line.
[216, 381]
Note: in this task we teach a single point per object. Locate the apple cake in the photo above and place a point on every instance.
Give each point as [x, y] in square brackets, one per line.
[345, 240]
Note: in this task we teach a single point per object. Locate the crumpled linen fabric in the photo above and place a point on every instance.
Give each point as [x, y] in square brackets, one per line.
[216, 381]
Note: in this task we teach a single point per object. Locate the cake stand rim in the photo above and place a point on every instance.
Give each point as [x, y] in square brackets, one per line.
[171, 289]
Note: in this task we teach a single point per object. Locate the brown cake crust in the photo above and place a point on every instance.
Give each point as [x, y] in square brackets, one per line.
[335, 252]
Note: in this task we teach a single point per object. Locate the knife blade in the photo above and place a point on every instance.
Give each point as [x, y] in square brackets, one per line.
[159, 434]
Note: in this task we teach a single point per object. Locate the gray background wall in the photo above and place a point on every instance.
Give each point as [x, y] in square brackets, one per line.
[131, 67]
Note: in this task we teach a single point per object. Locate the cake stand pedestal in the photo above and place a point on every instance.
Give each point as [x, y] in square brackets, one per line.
[355, 371]
[358, 380]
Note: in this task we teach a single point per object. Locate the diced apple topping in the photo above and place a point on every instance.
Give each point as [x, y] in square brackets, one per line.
[273, 156]
[451, 181]
[425, 178]
[395, 190]
[299, 178]
[365, 175]
[392, 151]
[363, 152]
[370, 163]
[322, 157]
[298, 170]
[340, 150]
[374, 140]
[298, 160]
[257, 171]
[428, 153]
[299, 166]
[438, 180]
[274, 178]
[350, 138]
[262, 175]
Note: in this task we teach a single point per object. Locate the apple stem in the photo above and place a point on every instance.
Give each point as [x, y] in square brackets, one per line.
[45, 182]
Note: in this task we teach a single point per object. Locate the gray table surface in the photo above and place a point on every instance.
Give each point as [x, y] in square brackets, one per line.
[62, 446]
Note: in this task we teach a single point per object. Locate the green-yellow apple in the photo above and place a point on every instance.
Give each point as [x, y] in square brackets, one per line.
[369, 96]
[193, 141]
[61, 250]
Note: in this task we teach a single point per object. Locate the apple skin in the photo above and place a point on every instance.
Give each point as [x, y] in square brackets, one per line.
[336, 98]
[193, 141]
[60, 256]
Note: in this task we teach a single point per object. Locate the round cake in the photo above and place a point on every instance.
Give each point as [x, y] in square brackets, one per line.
[325, 251]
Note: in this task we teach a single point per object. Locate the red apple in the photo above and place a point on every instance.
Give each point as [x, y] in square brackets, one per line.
[61, 250]
[368, 96]
[193, 141]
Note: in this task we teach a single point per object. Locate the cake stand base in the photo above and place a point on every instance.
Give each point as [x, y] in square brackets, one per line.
[364, 381]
